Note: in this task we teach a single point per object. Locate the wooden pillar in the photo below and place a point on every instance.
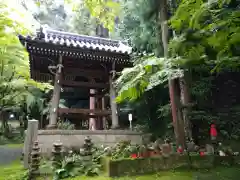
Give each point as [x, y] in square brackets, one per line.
[92, 121]
[56, 96]
[113, 104]
[104, 119]
[99, 118]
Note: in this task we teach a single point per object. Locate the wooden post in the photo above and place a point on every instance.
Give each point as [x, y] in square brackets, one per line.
[112, 92]
[99, 121]
[56, 96]
[92, 121]
[104, 117]
[31, 137]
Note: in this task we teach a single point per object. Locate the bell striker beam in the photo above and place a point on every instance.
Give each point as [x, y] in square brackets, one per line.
[56, 96]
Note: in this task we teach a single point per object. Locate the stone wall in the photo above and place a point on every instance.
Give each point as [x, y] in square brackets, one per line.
[75, 138]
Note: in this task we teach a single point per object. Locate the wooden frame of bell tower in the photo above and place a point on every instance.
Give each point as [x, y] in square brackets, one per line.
[62, 57]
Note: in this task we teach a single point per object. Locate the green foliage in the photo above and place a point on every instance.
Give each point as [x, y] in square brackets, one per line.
[207, 28]
[191, 47]
[16, 86]
[13, 171]
[105, 11]
[82, 21]
[149, 114]
[121, 150]
[147, 73]
[65, 125]
[202, 44]
[47, 107]
[138, 23]
[67, 168]
[228, 123]
[51, 13]
[10, 172]
[75, 165]
[164, 114]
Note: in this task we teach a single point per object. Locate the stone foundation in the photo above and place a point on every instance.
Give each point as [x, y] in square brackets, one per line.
[75, 138]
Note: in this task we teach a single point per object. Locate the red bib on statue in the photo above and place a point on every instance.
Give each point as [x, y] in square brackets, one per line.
[213, 131]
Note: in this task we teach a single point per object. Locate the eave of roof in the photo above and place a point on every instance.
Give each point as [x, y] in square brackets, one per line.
[72, 40]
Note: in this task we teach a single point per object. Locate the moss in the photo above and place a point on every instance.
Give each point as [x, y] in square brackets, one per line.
[129, 167]
[17, 145]
[12, 172]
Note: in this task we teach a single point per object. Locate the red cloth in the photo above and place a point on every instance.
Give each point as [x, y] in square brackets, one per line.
[134, 156]
[213, 131]
[201, 153]
[180, 150]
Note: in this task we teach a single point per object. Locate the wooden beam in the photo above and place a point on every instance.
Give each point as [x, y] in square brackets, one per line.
[83, 84]
[81, 116]
[82, 97]
[85, 72]
[71, 90]
[47, 76]
[96, 112]
[98, 95]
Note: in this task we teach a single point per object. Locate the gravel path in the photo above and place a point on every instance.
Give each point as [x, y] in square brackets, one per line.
[9, 154]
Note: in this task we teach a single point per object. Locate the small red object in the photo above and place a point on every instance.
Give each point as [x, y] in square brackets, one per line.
[213, 130]
[134, 156]
[202, 153]
[180, 149]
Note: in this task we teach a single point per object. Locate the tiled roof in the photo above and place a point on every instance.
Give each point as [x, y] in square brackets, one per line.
[80, 41]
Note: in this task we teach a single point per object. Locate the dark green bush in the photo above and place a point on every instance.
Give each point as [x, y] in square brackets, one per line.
[128, 167]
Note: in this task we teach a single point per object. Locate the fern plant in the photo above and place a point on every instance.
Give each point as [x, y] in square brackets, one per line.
[207, 28]
[149, 72]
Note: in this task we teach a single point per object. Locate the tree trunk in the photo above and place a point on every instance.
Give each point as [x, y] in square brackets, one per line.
[174, 98]
[5, 127]
[185, 100]
[113, 104]
[53, 116]
[180, 122]
[172, 95]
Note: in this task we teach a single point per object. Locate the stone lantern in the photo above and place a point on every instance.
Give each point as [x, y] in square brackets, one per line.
[86, 149]
[166, 148]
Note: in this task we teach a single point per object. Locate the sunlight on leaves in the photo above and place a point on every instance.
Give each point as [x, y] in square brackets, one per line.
[105, 11]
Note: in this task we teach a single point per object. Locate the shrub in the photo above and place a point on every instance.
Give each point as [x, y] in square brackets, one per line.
[65, 125]
[123, 149]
